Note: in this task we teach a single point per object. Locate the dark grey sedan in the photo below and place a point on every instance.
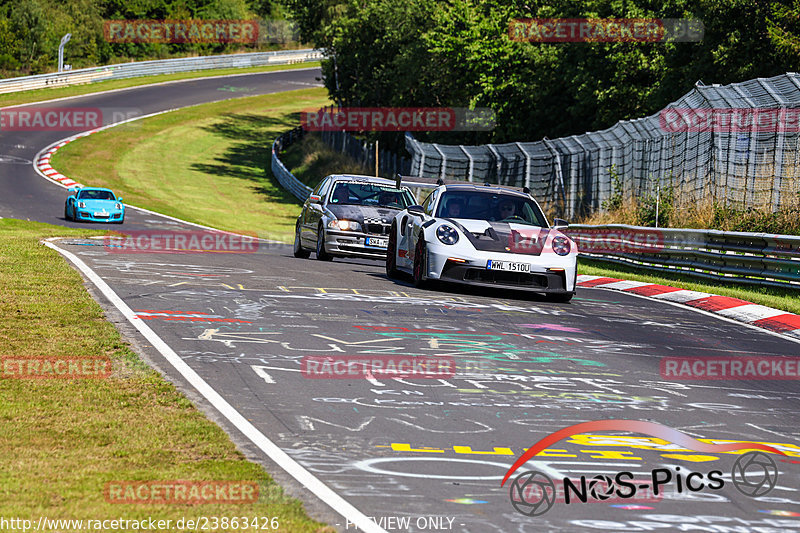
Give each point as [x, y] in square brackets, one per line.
[349, 215]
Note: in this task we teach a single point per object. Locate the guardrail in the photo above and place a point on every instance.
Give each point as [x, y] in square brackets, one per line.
[753, 258]
[159, 66]
[279, 170]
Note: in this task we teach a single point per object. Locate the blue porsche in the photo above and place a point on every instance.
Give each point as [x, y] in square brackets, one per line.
[95, 205]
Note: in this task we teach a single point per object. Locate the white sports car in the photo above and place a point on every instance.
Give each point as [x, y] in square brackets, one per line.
[483, 235]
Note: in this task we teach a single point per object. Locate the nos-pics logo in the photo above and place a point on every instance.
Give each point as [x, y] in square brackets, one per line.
[534, 493]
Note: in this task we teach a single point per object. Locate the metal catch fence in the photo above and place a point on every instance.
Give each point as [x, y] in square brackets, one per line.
[738, 145]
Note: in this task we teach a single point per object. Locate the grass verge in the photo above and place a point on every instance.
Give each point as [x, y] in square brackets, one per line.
[208, 164]
[39, 95]
[65, 439]
[785, 299]
[310, 160]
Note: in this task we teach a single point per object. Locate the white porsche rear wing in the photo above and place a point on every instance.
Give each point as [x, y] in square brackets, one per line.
[432, 183]
[417, 182]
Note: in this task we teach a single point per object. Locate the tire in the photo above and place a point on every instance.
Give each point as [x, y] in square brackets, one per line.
[391, 255]
[66, 213]
[322, 255]
[299, 252]
[420, 254]
[559, 297]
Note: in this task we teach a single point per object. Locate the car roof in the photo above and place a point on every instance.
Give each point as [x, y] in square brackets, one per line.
[357, 177]
[94, 189]
[471, 187]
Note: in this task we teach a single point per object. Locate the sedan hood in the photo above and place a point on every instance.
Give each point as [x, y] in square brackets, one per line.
[505, 237]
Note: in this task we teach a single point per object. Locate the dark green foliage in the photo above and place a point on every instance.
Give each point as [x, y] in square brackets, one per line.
[30, 30]
[458, 53]
[614, 201]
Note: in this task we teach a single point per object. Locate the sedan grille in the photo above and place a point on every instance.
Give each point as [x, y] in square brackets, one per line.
[377, 229]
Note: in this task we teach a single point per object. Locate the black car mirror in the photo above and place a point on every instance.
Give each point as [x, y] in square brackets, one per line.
[416, 210]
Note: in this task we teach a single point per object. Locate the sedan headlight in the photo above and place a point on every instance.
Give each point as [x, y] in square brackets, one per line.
[447, 234]
[561, 246]
[118, 206]
[345, 225]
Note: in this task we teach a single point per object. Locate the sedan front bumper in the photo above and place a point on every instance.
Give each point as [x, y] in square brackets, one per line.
[354, 244]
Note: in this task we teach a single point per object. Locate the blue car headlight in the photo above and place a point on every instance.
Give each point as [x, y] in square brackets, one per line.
[561, 246]
[447, 234]
[81, 204]
[118, 206]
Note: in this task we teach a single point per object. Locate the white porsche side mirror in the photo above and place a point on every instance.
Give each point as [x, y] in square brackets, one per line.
[416, 210]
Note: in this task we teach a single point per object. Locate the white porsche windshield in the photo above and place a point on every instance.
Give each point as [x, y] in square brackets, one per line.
[96, 195]
[491, 205]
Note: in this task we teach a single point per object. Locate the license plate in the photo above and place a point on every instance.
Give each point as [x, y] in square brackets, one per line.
[101, 214]
[508, 266]
[377, 243]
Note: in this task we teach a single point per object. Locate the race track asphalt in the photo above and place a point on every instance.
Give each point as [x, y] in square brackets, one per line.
[433, 451]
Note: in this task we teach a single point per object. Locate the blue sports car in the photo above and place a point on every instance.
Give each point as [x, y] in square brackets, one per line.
[94, 204]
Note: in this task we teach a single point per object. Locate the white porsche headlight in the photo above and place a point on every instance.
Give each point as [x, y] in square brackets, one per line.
[81, 204]
[117, 206]
[447, 234]
[561, 246]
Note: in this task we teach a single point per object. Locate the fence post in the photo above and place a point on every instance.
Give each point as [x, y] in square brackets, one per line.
[559, 176]
[527, 164]
[496, 159]
[471, 169]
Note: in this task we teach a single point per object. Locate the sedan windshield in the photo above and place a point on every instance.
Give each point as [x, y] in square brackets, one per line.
[96, 195]
[370, 194]
[492, 206]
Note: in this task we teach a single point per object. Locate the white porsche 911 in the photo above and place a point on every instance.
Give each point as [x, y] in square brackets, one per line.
[485, 235]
